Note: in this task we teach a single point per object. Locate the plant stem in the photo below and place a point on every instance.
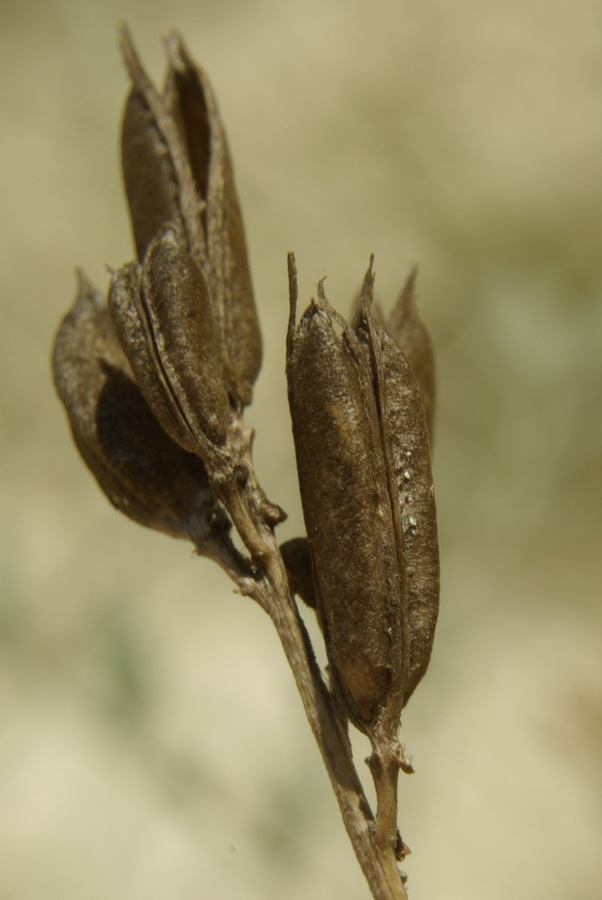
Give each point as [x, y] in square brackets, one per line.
[376, 857]
[253, 517]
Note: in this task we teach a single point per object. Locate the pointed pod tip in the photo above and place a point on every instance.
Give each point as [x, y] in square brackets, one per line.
[128, 51]
[321, 293]
[183, 65]
[370, 276]
[408, 291]
[293, 294]
[404, 307]
[82, 280]
[132, 61]
[291, 264]
[175, 50]
[125, 36]
[367, 292]
[86, 291]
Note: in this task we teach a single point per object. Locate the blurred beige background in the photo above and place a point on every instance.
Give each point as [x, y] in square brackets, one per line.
[151, 741]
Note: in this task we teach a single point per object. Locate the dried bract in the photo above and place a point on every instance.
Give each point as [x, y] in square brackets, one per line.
[364, 472]
[163, 317]
[405, 325]
[177, 169]
[143, 473]
[404, 425]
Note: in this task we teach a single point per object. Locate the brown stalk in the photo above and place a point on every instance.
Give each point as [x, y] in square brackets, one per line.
[369, 836]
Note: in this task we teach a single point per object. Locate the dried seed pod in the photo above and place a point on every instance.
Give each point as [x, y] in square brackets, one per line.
[143, 473]
[163, 318]
[404, 429]
[347, 511]
[177, 168]
[352, 393]
[149, 173]
[192, 102]
[157, 173]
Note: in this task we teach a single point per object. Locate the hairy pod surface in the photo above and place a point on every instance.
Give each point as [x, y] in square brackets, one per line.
[163, 318]
[177, 169]
[359, 428]
[143, 473]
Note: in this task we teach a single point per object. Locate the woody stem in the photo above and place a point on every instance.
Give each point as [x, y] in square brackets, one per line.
[377, 861]
[376, 858]
[384, 766]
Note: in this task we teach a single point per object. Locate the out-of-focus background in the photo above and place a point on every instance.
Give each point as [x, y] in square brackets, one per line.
[151, 741]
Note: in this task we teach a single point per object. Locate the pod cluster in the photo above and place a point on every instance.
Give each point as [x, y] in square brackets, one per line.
[361, 410]
[154, 378]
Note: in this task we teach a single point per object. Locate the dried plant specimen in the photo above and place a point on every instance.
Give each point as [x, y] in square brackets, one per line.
[363, 457]
[155, 379]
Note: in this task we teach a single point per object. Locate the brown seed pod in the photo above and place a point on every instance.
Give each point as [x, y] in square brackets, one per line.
[158, 178]
[149, 174]
[163, 318]
[143, 473]
[192, 102]
[358, 425]
[402, 417]
[177, 168]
